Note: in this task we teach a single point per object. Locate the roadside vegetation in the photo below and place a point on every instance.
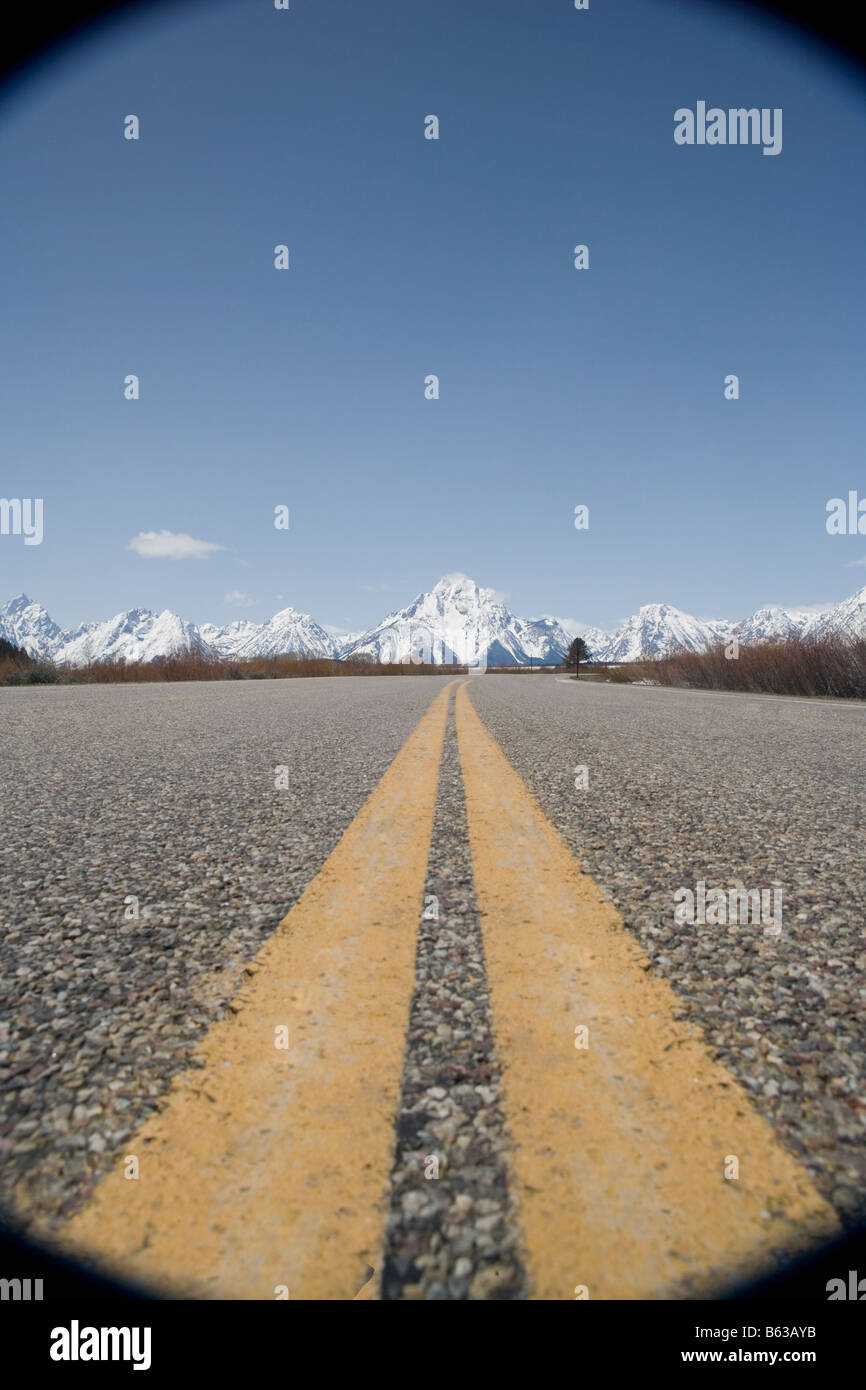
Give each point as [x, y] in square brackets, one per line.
[833, 666]
[17, 668]
[830, 666]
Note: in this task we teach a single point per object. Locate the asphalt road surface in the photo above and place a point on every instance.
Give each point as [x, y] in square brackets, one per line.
[372, 987]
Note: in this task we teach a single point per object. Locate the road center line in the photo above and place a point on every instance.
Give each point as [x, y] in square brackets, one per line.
[620, 1148]
[268, 1167]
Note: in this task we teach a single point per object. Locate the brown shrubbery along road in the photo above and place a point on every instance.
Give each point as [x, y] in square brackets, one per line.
[832, 666]
[17, 668]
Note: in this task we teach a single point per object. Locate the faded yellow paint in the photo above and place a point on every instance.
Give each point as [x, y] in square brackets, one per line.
[618, 1150]
[270, 1167]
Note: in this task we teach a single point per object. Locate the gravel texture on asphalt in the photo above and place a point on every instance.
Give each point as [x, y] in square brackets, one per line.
[165, 793]
[452, 1232]
[735, 790]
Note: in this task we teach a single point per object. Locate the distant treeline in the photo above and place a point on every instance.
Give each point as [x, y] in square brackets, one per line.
[17, 668]
[833, 666]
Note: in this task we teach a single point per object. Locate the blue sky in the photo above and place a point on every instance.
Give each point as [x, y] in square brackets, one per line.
[409, 257]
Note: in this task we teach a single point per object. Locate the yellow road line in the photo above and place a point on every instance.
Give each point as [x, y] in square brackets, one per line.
[620, 1148]
[270, 1167]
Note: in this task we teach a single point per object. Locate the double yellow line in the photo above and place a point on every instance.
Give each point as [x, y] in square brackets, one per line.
[265, 1175]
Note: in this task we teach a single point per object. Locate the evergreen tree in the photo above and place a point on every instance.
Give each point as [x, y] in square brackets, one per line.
[577, 652]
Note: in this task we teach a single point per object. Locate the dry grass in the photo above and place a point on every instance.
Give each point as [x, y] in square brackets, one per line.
[192, 666]
[832, 666]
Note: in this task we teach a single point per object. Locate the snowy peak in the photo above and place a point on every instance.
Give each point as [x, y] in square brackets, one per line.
[288, 631]
[28, 626]
[458, 622]
[13, 607]
[848, 616]
[658, 629]
[457, 588]
[136, 635]
[455, 622]
[770, 623]
[225, 641]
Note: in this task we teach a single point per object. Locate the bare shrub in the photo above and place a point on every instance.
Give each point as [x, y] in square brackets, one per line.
[832, 666]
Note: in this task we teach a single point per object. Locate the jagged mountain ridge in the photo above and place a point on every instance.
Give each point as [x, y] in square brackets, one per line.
[287, 631]
[658, 629]
[28, 626]
[137, 635]
[456, 621]
[459, 622]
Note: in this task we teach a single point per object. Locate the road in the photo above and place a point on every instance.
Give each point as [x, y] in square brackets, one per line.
[345, 989]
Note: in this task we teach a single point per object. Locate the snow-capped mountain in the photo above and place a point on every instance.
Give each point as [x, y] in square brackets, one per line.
[137, 635]
[770, 623]
[226, 640]
[658, 629]
[848, 616]
[287, 631]
[140, 635]
[28, 626]
[459, 622]
[456, 622]
[341, 639]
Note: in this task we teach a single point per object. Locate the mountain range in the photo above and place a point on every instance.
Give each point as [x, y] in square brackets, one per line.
[455, 621]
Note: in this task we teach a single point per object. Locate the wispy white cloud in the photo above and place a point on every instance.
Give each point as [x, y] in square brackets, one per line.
[458, 577]
[572, 625]
[238, 597]
[170, 545]
[851, 563]
[807, 609]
